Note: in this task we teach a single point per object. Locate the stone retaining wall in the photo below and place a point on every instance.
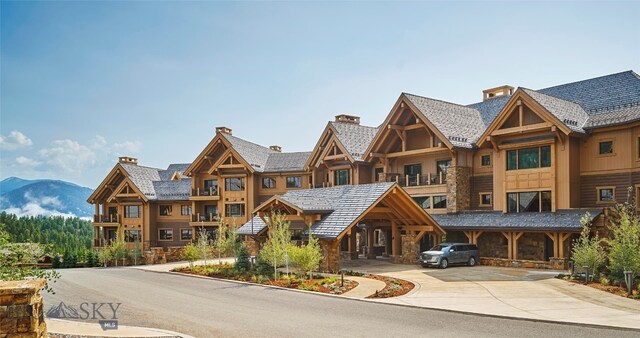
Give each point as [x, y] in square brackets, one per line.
[21, 309]
[553, 263]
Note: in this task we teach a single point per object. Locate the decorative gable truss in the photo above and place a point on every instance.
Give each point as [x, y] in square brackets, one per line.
[328, 150]
[230, 160]
[126, 190]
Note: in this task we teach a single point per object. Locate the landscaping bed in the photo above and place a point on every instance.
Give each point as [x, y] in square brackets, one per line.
[394, 287]
[330, 285]
[619, 290]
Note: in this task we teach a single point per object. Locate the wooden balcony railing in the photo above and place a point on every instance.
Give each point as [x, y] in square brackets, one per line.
[204, 217]
[111, 218]
[211, 191]
[418, 180]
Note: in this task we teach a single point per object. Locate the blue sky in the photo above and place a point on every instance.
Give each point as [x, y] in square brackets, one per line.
[85, 82]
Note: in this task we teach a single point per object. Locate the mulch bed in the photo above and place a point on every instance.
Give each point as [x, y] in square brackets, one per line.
[394, 286]
[616, 290]
[331, 285]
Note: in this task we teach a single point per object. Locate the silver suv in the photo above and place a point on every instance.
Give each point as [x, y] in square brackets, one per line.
[444, 254]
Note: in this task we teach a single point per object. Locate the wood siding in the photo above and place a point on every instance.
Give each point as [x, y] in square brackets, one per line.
[480, 184]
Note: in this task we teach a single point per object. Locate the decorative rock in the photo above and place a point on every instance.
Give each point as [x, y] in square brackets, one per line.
[21, 309]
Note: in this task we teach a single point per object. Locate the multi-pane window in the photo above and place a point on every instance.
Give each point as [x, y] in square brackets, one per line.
[131, 236]
[268, 182]
[485, 160]
[294, 181]
[165, 234]
[485, 199]
[131, 211]
[211, 187]
[210, 213]
[234, 184]
[341, 177]
[605, 147]
[606, 194]
[423, 201]
[529, 158]
[529, 201]
[439, 202]
[234, 210]
[186, 234]
[412, 171]
[185, 210]
[165, 210]
[441, 167]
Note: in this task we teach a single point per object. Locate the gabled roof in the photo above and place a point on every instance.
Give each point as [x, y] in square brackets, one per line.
[256, 155]
[562, 220]
[614, 117]
[354, 137]
[143, 178]
[461, 125]
[569, 113]
[347, 203]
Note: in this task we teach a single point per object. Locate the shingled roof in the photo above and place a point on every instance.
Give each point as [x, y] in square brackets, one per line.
[570, 113]
[156, 184]
[341, 206]
[283, 162]
[354, 137]
[263, 159]
[562, 220]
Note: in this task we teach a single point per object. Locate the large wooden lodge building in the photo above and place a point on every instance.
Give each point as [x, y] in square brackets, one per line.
[513, 173]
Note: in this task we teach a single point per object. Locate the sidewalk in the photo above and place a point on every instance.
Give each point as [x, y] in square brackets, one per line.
[66, 328]
[366, 287]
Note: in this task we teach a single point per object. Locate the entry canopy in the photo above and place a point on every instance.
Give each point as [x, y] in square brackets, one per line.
[331, 212]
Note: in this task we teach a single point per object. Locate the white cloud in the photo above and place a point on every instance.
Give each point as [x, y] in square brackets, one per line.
[128, 147]
[15, 140]
[27, 162]
[43, 206]
[68, 155]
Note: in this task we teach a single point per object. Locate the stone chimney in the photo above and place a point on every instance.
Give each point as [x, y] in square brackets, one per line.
[128, 160]
[224, 130]
[276, 148]
[501, 91]
[348, 119]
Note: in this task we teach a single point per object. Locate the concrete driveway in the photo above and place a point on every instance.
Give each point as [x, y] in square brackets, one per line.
[520, 293]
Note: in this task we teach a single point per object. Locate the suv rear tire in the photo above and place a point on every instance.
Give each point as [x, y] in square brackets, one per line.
[444, 263]
[472, 261]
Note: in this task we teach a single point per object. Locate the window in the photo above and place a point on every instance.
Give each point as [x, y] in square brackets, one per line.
[165, 210]
[210, 213]
[234, 184]
[439, 202]
[185, 210]
[442, 167]
[341, 177]
[165, 234]
[412, 170]
[485, 199]
[234, 210]
[485, 160]
[186, 234]
[606, 194]
[378, 174]
[294, 182]
[606, 147]
[529, 201]
[423, 201]
[529, 158]
[268, 183]
[131, 236]
[131, 211]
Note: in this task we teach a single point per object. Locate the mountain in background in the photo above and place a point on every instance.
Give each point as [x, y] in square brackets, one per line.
[44, 197]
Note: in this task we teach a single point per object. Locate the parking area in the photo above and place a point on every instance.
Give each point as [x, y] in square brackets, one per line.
[522, 293]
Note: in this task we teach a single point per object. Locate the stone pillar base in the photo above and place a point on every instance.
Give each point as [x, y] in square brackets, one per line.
[22, 309]
[410, 249]
[252, 246]
[331, 253]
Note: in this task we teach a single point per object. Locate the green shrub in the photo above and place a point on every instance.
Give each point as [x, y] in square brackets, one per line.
[191, 253]
[242, 260]
[605, 281]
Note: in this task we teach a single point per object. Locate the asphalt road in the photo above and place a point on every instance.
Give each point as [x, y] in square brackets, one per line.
[209, 308]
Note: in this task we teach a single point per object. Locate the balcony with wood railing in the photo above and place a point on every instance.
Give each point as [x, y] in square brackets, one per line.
[110, 219]
[199, 219]
[417, 180]
[210, 193]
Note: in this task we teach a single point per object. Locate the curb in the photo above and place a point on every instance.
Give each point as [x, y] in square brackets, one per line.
[534, 320]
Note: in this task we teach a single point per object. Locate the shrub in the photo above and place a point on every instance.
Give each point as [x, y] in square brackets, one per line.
[191, 253]
[242, 260]
[278, 242]
[604, 281]
[104, 256]
[624, 246]
[306, 257]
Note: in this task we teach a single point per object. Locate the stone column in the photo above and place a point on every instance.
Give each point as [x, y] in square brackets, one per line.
[458, 189]
[252, 245]
[331, 253]
[21, 309]
[370, 253]
[410, 249]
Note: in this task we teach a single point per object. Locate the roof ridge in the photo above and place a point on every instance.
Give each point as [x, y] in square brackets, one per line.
[353, 124]
[443, 101]
[555, 97]
[590, 79]
[141, 166]
[255, 144]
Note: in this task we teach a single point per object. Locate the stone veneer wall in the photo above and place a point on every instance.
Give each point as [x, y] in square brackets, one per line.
[493, 244]
[553, 263]
[531, 246]
[458, 189]
[21, 309]
[331, 254]
[410, 250]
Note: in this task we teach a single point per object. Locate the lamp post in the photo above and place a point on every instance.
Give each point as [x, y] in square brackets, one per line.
[628, 278]
[586, 274]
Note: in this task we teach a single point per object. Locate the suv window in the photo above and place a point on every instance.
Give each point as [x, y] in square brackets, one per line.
[473, 247]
